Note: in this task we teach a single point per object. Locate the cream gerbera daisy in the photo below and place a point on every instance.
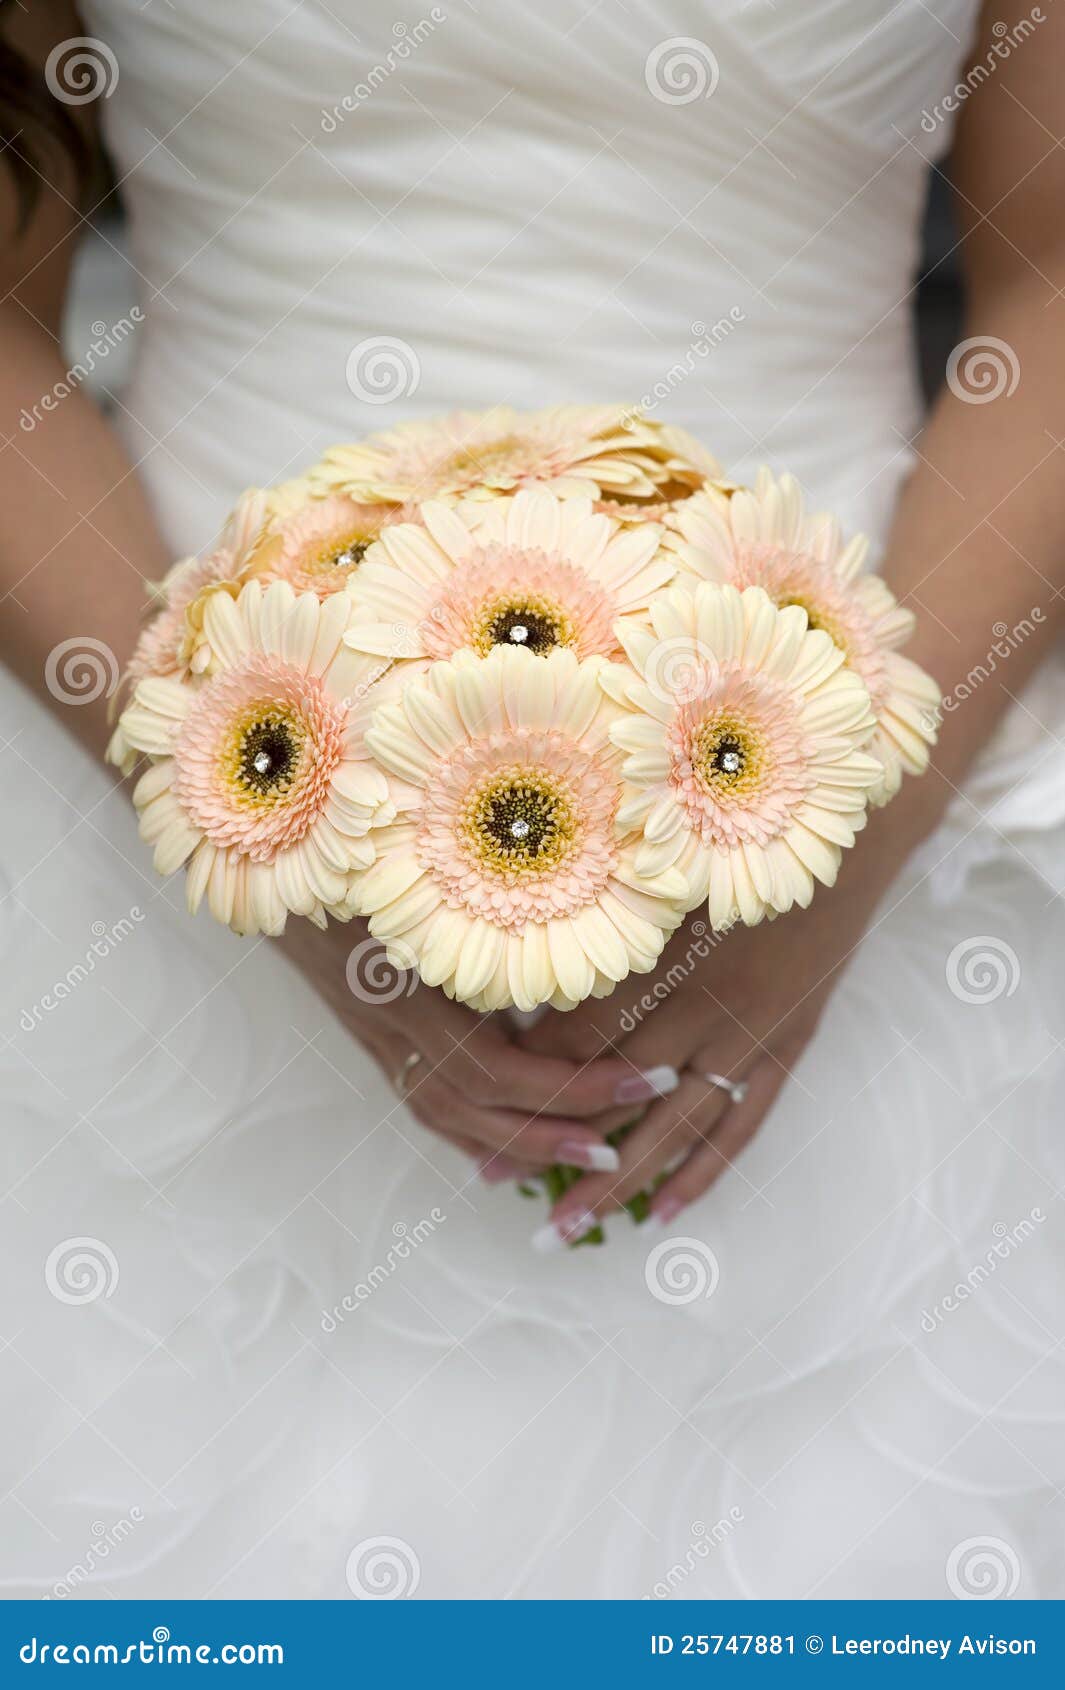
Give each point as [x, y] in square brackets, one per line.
[745, 745]
[162, 647]
[504, 875]
[599, 450]
[764, 537]
[159, 650]
[528, 570]
[315, 545]
[259, 781]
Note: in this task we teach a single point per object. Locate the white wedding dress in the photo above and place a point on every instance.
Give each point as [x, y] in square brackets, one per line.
[192, 1411]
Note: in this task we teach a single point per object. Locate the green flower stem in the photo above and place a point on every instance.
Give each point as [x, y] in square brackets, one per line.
[557, 1179]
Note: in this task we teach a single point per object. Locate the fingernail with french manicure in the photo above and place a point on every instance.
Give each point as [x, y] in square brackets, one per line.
[653, 1082]
[599, 1158]
[562, 1229]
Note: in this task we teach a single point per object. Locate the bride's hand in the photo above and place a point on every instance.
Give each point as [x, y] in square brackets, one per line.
[741, 1006]
[510, 1109]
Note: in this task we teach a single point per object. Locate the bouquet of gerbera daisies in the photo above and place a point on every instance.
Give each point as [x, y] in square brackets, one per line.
[522, 690]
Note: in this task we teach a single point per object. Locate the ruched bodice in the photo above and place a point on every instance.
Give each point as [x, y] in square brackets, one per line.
[713, 206]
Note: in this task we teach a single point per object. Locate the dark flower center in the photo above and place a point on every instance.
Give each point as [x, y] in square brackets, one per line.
[520, 625]
[268, 755]
[729, 757]
[351, 554]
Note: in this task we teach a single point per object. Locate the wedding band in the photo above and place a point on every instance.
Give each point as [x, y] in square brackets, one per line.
[737, 1089]
[406, 1068]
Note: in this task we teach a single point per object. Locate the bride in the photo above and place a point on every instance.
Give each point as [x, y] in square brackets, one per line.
[273, 1329]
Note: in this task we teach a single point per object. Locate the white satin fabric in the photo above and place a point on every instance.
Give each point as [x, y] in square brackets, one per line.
[514, 204]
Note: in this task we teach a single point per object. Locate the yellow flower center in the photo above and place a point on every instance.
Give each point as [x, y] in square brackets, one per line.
[817, 618]
[520, 821]
[728, 757]
[534, 622]
[340, 552]
[481, 461]
[259, 756]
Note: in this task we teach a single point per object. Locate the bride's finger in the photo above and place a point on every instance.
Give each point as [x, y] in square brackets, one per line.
[535, 1142]
[709, 1160]
[648, 1151]
[479, 1058]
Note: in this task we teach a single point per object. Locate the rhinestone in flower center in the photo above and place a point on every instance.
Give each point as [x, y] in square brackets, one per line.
[521, 821]
[340, 554]
[261, 756]
[728, 757]
[534, 626]
[531, 621]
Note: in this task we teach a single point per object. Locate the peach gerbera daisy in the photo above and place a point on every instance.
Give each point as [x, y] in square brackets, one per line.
[161, 647]
[317, 547]
[504, 874]
[598, 450]
[744, 743]
[528, 570]
[315, 544]
[763, 536]
[259, 781]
